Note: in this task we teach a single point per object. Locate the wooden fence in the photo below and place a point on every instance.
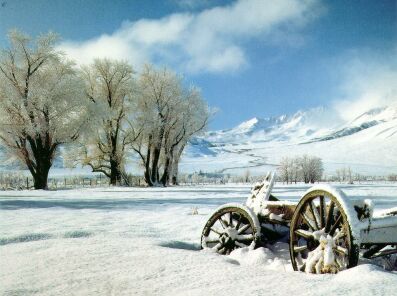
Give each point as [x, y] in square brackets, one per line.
[14, 181]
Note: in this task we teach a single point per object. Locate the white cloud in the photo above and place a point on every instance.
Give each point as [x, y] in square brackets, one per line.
[368, 81]
[191, 4]
[208, 41]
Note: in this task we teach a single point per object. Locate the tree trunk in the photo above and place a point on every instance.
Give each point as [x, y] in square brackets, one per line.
[40, 162]
[155, 163]
[174, 176]
[167, 169]
[40, 178]
[147, 176]
[156, 154]
[175, 165]
[115, 173]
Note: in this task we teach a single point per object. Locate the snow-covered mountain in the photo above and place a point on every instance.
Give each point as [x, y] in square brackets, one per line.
[367, 143]
[366, 120]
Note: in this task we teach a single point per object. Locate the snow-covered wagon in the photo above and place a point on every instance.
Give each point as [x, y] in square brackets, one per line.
[326, 230]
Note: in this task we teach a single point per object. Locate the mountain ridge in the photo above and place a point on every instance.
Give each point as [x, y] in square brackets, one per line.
[262, 142]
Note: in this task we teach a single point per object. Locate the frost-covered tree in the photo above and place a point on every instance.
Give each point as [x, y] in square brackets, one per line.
[192, 119]
[41, 104]
[295, 170]
[109, 89]
[308, 169]
[285, 169]
[312, 168]
[158, 95]
[345, 175]
[169, 115]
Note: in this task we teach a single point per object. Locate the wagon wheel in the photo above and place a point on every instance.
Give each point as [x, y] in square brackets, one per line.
[228, 229]
[320, 235]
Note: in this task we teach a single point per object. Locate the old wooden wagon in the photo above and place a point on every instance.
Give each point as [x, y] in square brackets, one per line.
[326, 230]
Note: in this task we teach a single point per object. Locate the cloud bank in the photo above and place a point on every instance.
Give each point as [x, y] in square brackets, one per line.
[368, 80]
[211, 40]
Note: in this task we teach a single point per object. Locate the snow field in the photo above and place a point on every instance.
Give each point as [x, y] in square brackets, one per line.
[129, 241]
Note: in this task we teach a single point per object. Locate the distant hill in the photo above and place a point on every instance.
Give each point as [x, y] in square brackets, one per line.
[368, 143]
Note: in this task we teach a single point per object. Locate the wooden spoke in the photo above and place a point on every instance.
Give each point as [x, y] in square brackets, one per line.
[322, 212]
[244, 237]
[339, 235]
[218, 246]
[338, 264]
[341, 250]
[304, 233]
[239, 222]
[216, 231]
[244, 228]
[330, 216]
[307, 221]
[212, 241]
[240, 245]
[314, 215]
[336, 224]
[303, 267]
[299, 249]
[223, 224]
[225, 221]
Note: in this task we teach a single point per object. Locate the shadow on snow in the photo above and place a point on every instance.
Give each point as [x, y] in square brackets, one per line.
[112, 203]
[180, 245]
[31, 237]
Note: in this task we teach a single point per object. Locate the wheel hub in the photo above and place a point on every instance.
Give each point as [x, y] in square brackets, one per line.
[228, 237]
[232, 233]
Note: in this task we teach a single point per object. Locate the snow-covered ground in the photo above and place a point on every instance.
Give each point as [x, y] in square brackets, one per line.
[138, 241]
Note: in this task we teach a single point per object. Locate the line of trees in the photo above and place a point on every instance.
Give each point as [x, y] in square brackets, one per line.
[345, 174]
[99, 113]
[306, 168]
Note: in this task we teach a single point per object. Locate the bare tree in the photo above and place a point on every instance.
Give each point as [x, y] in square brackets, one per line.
[159, 92]
[349, 174]
[169, 115]
[316, 169]
[109, 89]
[247, 176]
[40, 102]
[339, 175]
[295, 170]
[285, 169]
[194, 120]
[345, 174]
[307, 168]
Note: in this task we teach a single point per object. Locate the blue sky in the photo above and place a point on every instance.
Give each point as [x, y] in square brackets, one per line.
[250, 58]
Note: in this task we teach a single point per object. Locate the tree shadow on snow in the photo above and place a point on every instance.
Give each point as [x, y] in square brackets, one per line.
[180, 245]
[77, 234]
[112, 203]
[30, 237]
